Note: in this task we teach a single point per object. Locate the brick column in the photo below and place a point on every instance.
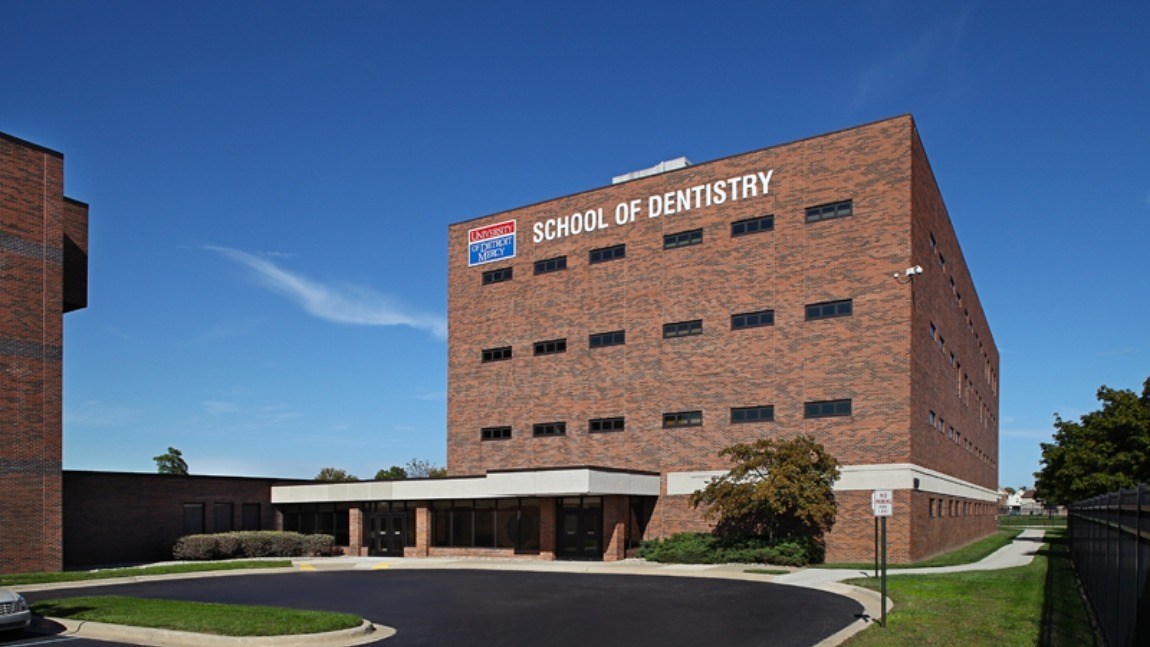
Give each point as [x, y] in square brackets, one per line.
[614, 528]
[355, 532]
[422, 531]
[547, 528]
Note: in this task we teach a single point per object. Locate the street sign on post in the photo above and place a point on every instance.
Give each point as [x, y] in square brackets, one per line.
[883, 510]
[882, 502]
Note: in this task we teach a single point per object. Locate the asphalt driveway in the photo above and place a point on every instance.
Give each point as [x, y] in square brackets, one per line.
[464, 607]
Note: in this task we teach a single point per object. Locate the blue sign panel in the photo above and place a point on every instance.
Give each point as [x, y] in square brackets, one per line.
[491, 243]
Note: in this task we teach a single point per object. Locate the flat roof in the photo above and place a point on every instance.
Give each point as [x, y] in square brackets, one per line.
[582, 481]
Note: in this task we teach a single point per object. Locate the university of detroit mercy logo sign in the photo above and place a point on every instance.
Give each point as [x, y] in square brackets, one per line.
[491, 243]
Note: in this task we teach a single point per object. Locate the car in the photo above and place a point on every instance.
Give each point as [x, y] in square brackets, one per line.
[14, 613]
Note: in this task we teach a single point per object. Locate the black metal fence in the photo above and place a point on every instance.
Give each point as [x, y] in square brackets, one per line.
[1109, 540]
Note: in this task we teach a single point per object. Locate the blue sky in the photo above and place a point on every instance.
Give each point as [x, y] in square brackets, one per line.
[271, 184]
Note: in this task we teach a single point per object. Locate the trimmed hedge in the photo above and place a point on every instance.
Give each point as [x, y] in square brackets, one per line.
[261, 543]
[702, 548]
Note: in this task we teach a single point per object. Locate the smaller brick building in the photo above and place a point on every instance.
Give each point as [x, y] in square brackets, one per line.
[121, 517]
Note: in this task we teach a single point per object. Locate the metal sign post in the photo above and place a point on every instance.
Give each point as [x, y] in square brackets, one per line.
[882, 502]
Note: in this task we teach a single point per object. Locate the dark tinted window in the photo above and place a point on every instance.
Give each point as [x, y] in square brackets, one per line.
[606, 424]
[752, 319]
[496, 354]
[549, 429]
[551, 265]
[607, 253]
[752, 225]
[551, 347]
[829, 309]
[827, 409]
[497, 276]
[683, 239]
[682, 419]
[683, 329]
[495, 433]
[613, 338]
[828, 211]
[753, 414]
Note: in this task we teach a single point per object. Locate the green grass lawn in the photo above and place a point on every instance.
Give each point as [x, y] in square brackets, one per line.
[1038, 604]
[965, 555]
[201, 617]
[1025, 521]
[79, 576]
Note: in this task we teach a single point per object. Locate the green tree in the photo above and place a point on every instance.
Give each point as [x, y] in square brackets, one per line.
[1009, 490]
[421, 469]
[777, 489]
[393, 473]
[171, 462]
[1103, 451]
[333, 475]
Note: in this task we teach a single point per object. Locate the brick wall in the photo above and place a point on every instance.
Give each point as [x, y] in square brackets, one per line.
[37, 223]
[119, 517]
[881, 357]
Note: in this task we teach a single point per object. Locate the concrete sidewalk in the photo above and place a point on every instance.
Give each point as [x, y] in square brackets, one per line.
[1018, 553]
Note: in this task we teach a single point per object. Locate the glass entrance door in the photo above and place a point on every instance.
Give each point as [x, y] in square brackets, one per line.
[388, 533]
[579, 528]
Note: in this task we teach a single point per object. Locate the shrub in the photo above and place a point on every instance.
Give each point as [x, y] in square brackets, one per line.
[702, 548]
[229, 545]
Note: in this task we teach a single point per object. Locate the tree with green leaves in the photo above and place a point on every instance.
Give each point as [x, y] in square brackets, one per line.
[776, 489]
[393, 473]
[1103, 451]
[334, 475]
[171, 462]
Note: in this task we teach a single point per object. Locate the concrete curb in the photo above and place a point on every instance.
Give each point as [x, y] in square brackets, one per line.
[361, 635]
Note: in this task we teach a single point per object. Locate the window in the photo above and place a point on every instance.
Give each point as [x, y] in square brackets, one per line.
[495, 433]
[932, 243]
[829, 309]
[931, 419]
[682, 419]
[604, 254]
[551, 347]
[497, 276]
[941, 259]
[250, 516]
[551, 265]
[683, 329]
[752, 225]
[753, 319]
[549, 429]
[222, 515]
[683, 239]
[613, 338]
[753, 414]
[606, 424]
[496, 354]
[828, 211]
[933, 331]
[193, 518]
[827, 409]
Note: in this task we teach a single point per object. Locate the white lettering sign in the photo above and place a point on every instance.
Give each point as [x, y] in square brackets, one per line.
[700, 196]
[881, 496]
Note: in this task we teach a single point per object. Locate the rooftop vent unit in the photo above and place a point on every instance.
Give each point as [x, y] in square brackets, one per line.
[661, 167]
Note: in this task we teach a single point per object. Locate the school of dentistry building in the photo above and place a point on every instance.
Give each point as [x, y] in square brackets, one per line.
[605, 346]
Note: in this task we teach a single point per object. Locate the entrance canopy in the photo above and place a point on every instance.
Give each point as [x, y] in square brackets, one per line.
[581, 481]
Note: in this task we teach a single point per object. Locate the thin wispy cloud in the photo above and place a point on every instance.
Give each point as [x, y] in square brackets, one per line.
[348, 304]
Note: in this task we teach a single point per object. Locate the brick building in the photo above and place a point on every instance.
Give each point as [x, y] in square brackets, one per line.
[43, 274]
[605, 346]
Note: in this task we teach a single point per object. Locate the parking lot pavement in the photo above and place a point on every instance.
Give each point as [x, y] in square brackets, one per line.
[446, 607]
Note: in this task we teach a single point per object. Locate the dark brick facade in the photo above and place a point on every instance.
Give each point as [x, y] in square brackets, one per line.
[43, 274]
[882, 357]
[119, 517]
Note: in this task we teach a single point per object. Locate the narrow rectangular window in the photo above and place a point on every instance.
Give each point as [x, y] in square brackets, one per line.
[827, 409]
[752, 226]
[250, 517]
[596, 425]
[193, 518]
[550, 347]
[683, 329]
[604, 254]
[551, 265]
[830, 309]
[932, 243]
[495, 433]
[613, 338]
[496, 354]
[753, 319]
[753, 414]
[549, 429]
[497, 276]
[683, 239]
[682, 419]
[933, 331]
[222, 517]
[829, 211]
